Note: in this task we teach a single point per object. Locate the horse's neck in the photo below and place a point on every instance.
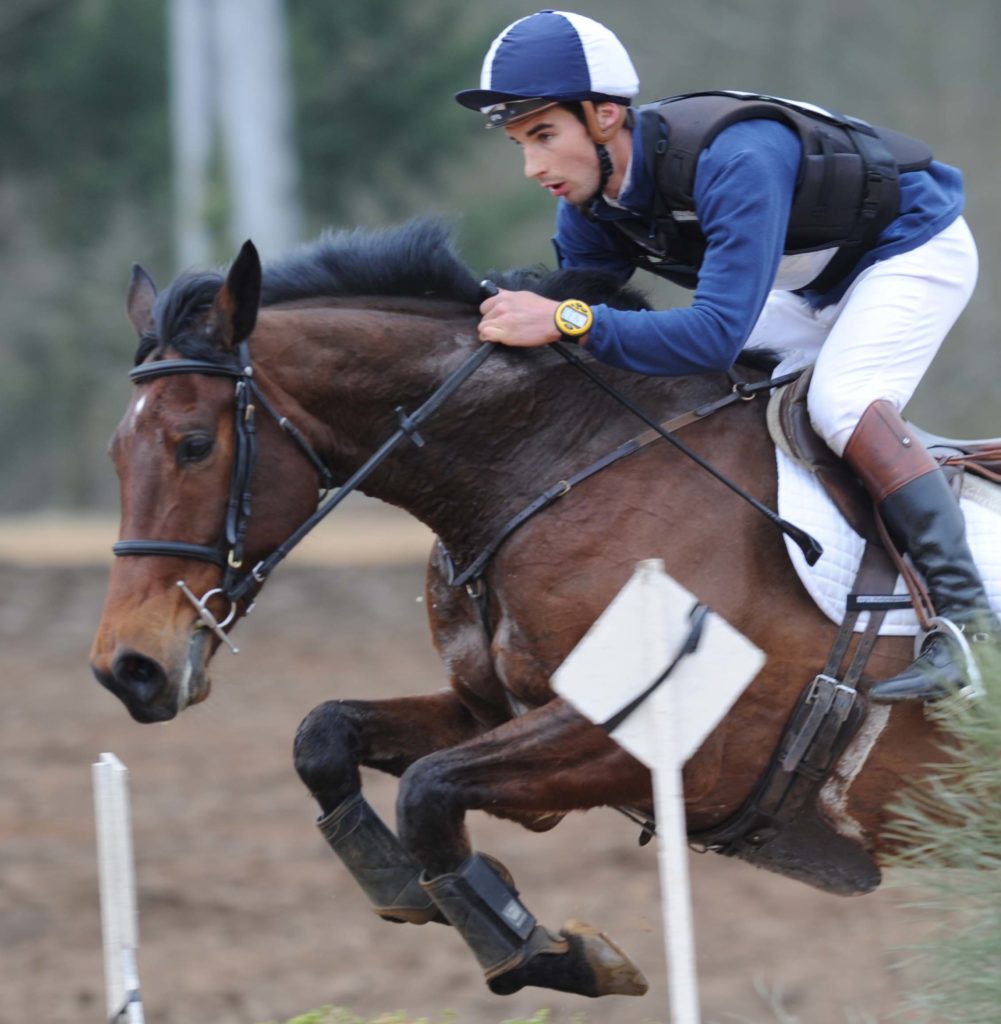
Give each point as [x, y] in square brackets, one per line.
[523, 422]
[521, 425]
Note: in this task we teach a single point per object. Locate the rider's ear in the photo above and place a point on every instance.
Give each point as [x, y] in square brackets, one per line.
[139, 304]
[234, 311]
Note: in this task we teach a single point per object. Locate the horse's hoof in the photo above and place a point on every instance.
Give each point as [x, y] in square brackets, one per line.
[614, 973]
[410, 915]
[581, 959]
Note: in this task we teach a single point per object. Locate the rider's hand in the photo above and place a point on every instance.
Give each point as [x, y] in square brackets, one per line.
[520, 319]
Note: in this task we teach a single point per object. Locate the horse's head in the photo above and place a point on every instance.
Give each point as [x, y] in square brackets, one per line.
[190, 454]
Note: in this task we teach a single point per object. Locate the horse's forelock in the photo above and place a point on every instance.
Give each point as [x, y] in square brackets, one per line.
[177, 316]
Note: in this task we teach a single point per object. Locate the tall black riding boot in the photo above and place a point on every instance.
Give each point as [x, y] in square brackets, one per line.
[924, 519]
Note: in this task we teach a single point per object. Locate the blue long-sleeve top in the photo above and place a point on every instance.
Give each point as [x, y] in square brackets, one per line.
[743, 193]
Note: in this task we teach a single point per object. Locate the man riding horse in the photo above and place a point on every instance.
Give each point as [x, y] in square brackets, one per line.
[800, 231]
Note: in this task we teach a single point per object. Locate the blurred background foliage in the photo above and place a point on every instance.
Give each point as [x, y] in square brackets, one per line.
[86, 168]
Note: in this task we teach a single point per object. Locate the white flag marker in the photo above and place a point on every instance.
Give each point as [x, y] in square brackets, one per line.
[119, 911]
[636, 638]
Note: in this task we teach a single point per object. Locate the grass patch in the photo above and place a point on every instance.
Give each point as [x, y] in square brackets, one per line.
[338, 1015]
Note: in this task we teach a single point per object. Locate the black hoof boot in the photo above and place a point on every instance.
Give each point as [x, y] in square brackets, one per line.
[515, 951]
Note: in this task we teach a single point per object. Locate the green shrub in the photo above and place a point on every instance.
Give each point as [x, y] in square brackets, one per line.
[950, 825]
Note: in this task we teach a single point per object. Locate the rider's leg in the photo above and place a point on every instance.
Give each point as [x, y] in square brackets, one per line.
[924, 519]
[883, 335]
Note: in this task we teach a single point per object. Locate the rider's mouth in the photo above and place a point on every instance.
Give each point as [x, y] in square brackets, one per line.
[557, 189]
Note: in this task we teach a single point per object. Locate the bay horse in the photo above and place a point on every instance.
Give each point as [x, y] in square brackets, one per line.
[326, 351]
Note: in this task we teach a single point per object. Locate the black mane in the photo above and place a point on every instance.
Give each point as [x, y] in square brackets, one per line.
[415, 259]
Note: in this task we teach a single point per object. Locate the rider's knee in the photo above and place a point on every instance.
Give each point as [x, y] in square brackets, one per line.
[834, 414]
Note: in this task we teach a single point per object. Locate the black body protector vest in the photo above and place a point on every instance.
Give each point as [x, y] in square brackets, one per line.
[847, 190]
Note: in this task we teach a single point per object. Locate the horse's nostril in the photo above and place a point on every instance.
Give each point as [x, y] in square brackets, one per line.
[142, 677]
[138, 669]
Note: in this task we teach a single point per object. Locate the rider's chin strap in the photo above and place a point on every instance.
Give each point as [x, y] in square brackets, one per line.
[600, 136]
[605, 163]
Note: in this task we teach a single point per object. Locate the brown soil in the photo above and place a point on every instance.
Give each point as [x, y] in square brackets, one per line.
[244, 914]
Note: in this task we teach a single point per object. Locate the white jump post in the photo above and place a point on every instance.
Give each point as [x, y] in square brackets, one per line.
[635, 639]
[119, 912]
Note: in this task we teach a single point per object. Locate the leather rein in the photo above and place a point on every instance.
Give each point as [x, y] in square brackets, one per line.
[242, 586]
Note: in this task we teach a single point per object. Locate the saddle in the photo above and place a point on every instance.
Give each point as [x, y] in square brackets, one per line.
[791, 430]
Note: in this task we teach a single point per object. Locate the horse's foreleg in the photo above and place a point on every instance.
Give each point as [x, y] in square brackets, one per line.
[549, 760]
[331, 744]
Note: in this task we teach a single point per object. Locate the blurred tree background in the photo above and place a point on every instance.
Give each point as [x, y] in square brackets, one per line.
[86, 168]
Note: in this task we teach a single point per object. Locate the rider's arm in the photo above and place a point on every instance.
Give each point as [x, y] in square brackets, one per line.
[743, 193]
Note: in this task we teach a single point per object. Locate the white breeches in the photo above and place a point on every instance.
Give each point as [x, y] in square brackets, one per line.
[879, 340]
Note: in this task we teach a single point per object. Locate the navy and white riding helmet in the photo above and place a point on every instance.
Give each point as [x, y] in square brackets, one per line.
[547, 58]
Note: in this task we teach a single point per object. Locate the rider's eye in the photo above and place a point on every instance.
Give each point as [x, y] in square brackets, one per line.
[194, 448]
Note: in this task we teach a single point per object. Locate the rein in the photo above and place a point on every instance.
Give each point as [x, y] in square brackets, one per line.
[808, 545]
[742, 391]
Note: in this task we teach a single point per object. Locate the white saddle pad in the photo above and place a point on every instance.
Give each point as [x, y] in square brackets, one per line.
[804, 502]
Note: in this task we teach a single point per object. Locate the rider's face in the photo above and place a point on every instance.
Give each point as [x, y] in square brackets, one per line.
[559, 154]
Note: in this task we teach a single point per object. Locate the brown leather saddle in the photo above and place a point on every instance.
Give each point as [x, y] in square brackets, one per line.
[791, 430]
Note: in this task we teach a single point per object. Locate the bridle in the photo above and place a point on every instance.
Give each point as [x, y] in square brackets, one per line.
[242, 586]
[228, 553]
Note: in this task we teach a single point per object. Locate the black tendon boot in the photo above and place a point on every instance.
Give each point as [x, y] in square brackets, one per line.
[387, 874]
[515, 951]
[923, 518]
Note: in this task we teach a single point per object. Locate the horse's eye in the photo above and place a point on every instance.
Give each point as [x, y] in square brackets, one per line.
[194, 448]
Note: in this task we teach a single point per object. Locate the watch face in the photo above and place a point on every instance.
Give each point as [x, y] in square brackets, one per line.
[574, 318]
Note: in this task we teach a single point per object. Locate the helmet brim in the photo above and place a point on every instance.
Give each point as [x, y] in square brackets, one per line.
[479, 99]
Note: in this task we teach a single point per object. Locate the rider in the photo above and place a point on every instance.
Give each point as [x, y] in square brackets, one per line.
[799, 230]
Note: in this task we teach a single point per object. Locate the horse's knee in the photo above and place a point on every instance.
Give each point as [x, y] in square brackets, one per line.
[326, 752]
[426, 803]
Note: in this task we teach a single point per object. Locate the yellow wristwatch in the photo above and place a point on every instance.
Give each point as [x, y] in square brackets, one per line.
[574, 318]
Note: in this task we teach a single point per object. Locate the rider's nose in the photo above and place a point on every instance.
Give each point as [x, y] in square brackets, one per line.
[533, 166]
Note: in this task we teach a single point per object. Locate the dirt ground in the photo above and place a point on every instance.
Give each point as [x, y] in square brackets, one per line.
[245, 916]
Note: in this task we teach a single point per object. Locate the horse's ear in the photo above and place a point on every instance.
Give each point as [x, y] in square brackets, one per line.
[139, 304]
[234, 311]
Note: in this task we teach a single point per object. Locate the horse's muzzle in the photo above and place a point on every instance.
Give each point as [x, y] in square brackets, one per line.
[148, 690]
[141, 684]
